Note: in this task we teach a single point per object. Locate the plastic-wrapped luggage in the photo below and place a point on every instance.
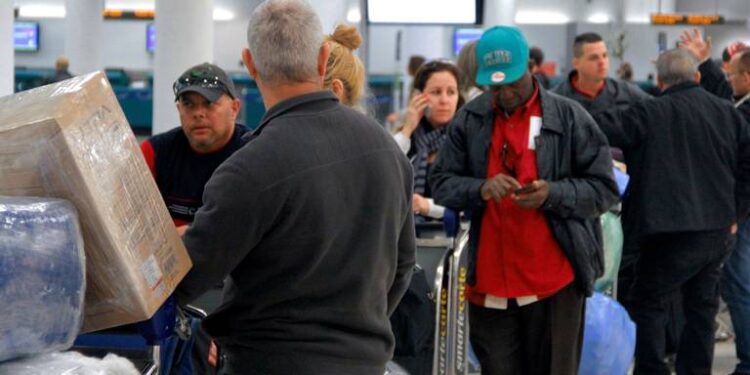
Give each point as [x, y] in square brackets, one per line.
[608, 338]
[69, 363]
[613, 240]
[42, 268]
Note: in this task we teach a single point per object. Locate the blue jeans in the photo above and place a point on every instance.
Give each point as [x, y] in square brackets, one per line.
[735, 289]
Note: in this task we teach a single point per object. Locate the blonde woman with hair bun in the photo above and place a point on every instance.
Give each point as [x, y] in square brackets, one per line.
[345, 73]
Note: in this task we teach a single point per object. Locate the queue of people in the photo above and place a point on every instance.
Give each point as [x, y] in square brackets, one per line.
[309, 221]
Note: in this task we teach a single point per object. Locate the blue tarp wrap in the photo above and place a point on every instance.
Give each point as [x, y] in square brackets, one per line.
[42, 276]
[608, 338]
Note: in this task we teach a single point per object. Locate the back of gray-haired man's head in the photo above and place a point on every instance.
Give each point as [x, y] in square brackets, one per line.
[676, 65]
[284, 38]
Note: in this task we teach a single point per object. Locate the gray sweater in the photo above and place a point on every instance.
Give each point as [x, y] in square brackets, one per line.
[312, 221]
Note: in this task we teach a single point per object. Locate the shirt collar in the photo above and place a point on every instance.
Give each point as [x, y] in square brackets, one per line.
[292, 103]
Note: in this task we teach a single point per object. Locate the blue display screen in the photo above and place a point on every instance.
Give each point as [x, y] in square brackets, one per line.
[463, 36]
[151, 37]
[26, 36]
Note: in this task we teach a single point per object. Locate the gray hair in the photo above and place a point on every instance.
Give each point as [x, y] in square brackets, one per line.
[676, 65]
[284, 39]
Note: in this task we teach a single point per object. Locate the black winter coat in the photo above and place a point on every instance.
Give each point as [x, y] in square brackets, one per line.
[572, 155]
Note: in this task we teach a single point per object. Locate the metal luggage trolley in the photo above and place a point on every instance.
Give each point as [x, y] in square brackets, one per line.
[158, 346]
[452, 352]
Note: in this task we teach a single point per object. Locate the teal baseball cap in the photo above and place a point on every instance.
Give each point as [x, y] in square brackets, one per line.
[502, 56]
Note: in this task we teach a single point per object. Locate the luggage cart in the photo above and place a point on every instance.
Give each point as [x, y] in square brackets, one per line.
[452, 348]
[158, 346]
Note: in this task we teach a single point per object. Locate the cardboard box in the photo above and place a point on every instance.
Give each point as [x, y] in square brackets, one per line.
[71, 140]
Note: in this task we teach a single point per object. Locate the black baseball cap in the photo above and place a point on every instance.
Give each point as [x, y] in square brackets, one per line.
[206, 79]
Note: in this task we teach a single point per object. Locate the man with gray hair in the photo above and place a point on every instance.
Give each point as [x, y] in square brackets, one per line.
[311, 220]
[688, 154]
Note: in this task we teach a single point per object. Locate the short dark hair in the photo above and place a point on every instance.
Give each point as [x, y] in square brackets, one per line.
[428, 69]
[582, 39]
[414, 63]
[744, 61]
[536, 55]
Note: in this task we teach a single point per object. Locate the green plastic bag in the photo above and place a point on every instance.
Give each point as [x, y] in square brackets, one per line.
[612, 235]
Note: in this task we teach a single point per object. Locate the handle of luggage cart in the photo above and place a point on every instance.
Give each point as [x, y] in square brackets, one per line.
[451, 222]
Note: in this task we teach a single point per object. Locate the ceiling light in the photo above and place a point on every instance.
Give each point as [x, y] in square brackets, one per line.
[223, 15]
[353, 16]
[541, 17]
[598, 18]
[126, 5]
[41, 11]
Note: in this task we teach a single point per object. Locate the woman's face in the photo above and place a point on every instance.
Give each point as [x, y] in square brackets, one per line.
[442, 90]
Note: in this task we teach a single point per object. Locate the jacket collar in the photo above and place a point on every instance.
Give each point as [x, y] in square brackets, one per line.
[482, 106]
[291, 104]
[680, 87]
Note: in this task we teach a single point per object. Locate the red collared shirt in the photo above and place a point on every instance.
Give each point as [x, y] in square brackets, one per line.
[574, 85]
[518, 254]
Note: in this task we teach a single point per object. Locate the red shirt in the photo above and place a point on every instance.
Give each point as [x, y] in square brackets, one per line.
[518, 254]
[574, 85]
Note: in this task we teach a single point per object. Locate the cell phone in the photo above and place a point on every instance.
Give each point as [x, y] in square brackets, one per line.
[427, 111]
[526, 189]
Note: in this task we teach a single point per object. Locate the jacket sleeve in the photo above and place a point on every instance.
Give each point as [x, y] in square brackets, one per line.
[406, 260]
[451, 179]
[742, 179]
[713, 79]
[624, 128]
[591, 189]
[225, 230]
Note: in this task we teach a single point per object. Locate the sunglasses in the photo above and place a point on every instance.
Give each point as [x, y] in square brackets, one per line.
[509, 159]
[202, 79]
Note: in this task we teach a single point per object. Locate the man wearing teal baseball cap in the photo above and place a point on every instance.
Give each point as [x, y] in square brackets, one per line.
[535, 171]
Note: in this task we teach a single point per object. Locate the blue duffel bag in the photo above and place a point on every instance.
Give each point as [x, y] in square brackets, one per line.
[608, 338]
[42, 276]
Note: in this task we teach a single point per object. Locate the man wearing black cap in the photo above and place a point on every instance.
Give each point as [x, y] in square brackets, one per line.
[183, 159]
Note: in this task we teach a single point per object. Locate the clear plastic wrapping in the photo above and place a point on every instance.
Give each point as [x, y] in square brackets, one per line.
[69, 363]
[42, 276]
[71, 140]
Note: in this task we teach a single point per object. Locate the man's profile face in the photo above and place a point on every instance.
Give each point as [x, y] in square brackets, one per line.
[737, 77]
[513, 95]
[208, 126]
[593, 64]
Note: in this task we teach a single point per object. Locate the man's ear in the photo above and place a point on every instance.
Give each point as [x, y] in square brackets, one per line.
[697, 76]
[247, 59]
[325, 52]
[659, 83]
[235, 106]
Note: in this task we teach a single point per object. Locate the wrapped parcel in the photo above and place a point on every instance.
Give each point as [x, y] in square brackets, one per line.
[42, 276]
[71, 140]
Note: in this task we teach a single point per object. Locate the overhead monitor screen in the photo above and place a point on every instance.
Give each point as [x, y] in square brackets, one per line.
[463, 36]
[26, 36]
[453, 12]
[150, 37]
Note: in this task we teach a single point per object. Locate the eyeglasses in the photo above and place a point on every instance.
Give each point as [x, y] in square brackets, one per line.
[508, 158]
[202, 79]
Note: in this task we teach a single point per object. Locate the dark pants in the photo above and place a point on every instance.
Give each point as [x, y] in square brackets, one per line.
[544, 337]
[690, 263]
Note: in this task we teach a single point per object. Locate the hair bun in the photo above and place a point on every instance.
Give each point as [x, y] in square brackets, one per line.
[347, 36]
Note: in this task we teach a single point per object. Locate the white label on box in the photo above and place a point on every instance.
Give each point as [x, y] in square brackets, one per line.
[151, 272]
[535, 127]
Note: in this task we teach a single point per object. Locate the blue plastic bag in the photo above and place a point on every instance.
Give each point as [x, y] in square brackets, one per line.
[608, 338]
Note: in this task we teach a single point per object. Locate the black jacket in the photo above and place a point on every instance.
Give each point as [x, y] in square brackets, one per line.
[312, 220]
[688, 156]
[616, 93]
[572, 155]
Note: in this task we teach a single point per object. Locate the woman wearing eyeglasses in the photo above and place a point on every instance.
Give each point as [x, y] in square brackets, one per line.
[433, 106]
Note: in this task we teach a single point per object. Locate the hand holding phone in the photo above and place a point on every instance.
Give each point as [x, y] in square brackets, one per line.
[528, 188]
